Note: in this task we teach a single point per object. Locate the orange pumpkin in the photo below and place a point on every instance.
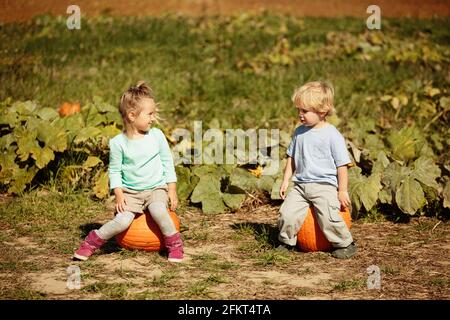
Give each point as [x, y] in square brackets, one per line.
[67, 109]
[310, 237]
[144, 233]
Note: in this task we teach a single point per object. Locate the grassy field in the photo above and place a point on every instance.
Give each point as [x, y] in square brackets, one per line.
[239, 71]
[201, 68]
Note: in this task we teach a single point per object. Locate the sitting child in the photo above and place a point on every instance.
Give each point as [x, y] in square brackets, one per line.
[318, 159]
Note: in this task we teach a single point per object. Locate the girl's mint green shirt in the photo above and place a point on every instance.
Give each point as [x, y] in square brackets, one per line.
[140, 164]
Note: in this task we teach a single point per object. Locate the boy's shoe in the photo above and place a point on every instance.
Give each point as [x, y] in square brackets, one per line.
[89, 245]
[345, 253]
[283, 247]
[174, 246]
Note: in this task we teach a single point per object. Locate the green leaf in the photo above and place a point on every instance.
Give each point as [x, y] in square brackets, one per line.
[243, 179]
[186, 182]
[394, 175]
[42, 156]
[22, 177]
[381, 163]
[53, 137]
[233, 201]
[91, 162]
[47, 114]
[6, 141]
[103, 106]
[374, 144]
[363, 190]
[207, 192]
[265, 183]
[209, 171]
[23, 108]
[7, 117]
[113, 117]
[92, 117]
[385, 196]
[403, 145]
[426, 172]
[26, 142]
[410, 196]
[8, 167]
[87, 133]
[445, 103]
[110, 131]
[355, 151]
[101, 186]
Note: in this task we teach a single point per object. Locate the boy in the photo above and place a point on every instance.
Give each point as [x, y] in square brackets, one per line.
[318, 158]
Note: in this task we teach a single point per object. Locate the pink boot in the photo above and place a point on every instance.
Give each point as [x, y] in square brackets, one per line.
[174, 246]
[89, 245]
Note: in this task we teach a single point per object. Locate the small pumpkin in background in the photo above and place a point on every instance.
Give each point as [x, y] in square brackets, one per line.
[311, 238]
[144, 233]
[67, 108]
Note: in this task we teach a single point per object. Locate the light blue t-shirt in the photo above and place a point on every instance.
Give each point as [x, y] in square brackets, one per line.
[140, 164]
[317, 153]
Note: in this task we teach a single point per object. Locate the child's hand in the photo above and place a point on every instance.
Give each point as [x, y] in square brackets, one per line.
[344, 199]
[283, 189]
[121, 201]
[173, 198]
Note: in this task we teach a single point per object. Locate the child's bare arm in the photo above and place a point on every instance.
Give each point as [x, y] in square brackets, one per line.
[288, 171]
[173, 197]
[121, 201]
[342, 175]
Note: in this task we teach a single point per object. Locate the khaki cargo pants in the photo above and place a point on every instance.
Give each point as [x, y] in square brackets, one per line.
[138, 201]
[324, 198]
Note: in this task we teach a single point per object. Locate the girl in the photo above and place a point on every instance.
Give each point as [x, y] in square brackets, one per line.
[141, 173]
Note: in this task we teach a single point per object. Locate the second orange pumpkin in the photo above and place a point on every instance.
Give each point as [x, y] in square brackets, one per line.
[311, 238]
[144, 233]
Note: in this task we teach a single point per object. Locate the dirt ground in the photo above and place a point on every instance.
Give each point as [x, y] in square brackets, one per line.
[20, 10]
[413, 259]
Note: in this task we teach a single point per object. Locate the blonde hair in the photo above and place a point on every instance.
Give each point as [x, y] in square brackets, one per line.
[317, 96]
[130, 101]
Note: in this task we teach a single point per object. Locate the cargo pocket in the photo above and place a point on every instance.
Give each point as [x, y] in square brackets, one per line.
[333, 212]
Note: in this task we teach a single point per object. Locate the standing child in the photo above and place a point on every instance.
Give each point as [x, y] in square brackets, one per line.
[141, 173]
[318, 159]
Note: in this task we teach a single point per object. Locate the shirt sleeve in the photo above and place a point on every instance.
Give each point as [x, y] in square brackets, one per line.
[115, 165]
[166, 158]
[339, 150]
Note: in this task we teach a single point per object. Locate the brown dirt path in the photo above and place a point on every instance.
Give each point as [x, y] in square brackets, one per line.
[223, 262]
[20, 10]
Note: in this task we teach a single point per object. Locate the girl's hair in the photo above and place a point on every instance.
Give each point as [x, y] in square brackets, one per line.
[130, 101]
[317, 96]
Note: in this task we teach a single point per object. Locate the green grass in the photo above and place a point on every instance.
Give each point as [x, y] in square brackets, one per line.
[272, 257]
[440, 282]
[353, 284]
[51, 215]
[113, 291]
[201, 288]
[193, 67]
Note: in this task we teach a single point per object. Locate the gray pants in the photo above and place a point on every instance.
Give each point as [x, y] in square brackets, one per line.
[122, 221]
[325, 200]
